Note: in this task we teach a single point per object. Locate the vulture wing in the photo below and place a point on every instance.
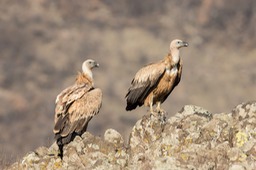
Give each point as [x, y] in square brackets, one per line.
[65, 99]
[179, 73]
[79, 113]
[143, 83]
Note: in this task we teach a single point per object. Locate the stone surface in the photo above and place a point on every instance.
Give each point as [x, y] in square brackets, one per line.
[192, 139]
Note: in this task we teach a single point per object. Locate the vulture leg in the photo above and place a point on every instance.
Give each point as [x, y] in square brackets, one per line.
[158, 108]
[161, 112]
[151, 105]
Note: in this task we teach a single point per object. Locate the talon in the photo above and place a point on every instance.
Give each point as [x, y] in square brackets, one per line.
[153, 113]
[161, 111]
[162, 116]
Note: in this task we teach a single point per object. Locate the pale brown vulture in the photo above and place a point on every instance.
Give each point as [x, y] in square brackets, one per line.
[153, 83]
[76, 105]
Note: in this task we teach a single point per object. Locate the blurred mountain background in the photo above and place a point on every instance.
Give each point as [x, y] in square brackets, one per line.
[43, 44]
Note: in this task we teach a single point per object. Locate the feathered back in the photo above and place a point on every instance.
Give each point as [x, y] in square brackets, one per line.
[143, 83]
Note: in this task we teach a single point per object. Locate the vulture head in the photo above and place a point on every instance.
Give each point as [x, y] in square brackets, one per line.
[178, 44]
[89, 65]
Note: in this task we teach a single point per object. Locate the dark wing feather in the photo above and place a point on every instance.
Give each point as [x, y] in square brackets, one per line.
[143, 83]
[67, 97]
[78, 115]
[60, 123]
[179, 66]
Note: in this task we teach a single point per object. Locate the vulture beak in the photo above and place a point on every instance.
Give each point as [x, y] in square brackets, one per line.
[185, 44]
[96, 64]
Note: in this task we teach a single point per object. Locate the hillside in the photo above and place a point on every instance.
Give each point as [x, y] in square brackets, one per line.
[43, 43]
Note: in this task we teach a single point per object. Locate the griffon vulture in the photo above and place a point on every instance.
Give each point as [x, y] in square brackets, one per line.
[153, 83]
[76, 105]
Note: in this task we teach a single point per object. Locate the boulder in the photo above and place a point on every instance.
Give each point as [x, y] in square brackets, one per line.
[193, 138]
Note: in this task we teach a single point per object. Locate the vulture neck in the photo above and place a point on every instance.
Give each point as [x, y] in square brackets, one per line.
[175, 53]
[87, 71]
[83, 78]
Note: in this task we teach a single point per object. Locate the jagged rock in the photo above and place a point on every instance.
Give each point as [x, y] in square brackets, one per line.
[192, 139]
[145, 132]
[112, 136]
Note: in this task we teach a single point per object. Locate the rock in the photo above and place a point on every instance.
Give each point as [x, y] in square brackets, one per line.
[192, 139]
[112, 136]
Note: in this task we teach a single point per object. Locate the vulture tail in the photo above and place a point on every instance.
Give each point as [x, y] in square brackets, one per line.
[61, 151]
[135, 98]
[60, 145]
[61, 141]
[131, 106]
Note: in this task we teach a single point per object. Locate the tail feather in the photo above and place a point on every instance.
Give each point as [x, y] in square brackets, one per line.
[60, 151]
[61, 141]
[132, 100]
[60, 145]
[131, 106]
[135, 98]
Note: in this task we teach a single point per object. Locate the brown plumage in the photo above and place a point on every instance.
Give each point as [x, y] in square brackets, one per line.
[153, 83]
[76, 105]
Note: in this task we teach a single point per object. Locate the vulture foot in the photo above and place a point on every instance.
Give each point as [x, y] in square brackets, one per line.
[161, 115]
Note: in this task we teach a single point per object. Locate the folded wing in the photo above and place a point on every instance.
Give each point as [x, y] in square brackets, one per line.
[75, 107]
[143, 83]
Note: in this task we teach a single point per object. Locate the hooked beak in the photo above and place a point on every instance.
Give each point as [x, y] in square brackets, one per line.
[96, 64]
[185, 44]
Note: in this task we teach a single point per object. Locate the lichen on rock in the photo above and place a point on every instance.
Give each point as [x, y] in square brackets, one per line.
[194, 138]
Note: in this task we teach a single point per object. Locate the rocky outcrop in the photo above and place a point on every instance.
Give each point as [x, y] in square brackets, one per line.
[192, 139]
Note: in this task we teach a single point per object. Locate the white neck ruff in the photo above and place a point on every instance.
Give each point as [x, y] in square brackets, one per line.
[175, 55]
[87, 71]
